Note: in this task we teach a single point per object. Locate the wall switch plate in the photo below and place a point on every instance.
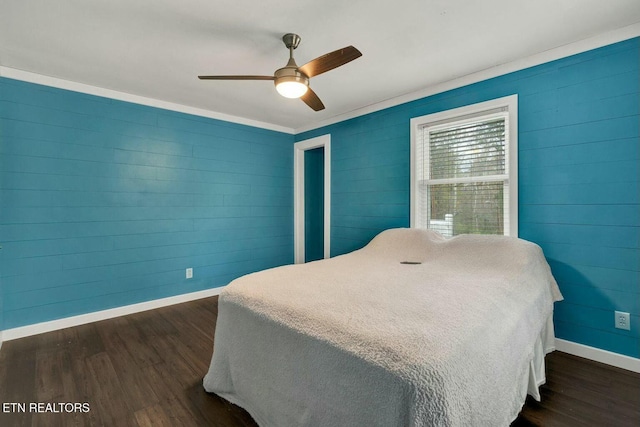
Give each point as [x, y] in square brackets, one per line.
[189, 273]
[622, 320]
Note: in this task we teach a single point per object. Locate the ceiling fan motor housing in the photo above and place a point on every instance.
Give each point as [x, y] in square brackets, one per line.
[288, 74]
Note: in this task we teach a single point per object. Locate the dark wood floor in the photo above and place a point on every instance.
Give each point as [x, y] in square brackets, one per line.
[146, 369]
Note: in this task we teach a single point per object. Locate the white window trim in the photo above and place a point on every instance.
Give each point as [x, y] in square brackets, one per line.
[508, 102]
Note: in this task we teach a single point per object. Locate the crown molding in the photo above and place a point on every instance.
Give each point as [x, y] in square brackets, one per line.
[26, 76]
[564, 51]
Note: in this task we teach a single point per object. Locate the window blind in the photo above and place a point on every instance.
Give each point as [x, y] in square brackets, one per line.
[463, 175]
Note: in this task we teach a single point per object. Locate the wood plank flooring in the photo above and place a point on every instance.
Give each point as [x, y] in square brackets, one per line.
[146, 369]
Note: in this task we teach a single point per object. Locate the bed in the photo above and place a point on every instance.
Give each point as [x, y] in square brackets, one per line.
[411, 330]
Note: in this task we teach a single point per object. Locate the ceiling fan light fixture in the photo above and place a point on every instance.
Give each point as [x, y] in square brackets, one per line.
[292, 87]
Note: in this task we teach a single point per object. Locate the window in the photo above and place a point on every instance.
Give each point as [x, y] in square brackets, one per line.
[464, 169]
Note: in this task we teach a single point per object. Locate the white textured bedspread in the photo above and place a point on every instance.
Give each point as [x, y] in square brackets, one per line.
[364, 340]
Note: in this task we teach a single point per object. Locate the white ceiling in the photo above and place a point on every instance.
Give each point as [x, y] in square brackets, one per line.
[156, 48]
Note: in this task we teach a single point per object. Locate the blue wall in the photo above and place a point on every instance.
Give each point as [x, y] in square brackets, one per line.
[579, 198]
[105, 203]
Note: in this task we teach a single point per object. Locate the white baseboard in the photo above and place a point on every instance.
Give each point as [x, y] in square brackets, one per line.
[598, 355]
[67, 322]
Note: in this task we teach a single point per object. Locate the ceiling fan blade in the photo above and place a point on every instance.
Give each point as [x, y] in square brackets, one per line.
[311, 99]
[330, 61]
[236, 77]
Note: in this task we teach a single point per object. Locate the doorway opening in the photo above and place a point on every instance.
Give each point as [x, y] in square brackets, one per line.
[312, 199]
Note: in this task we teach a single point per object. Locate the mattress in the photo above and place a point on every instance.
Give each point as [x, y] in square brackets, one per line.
[411, 330]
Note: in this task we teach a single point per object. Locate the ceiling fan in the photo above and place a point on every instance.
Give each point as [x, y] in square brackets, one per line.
[292, 81]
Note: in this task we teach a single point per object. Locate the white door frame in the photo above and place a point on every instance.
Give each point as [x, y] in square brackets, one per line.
[298, 190]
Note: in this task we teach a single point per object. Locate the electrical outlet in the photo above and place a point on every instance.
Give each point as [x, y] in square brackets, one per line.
[622, 320]
[189, 273]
